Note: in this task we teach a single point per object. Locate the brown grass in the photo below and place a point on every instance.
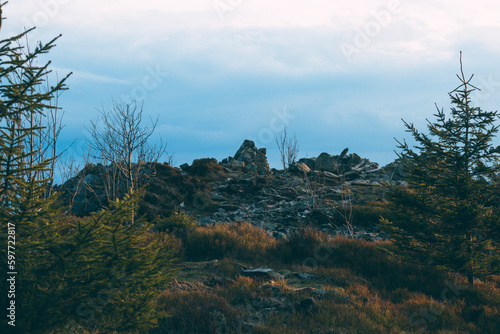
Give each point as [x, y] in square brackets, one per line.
[304, 244]
[242, 241]
[196, 312]
[367, 290]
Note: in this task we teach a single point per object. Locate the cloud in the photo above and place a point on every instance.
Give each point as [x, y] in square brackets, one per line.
[231, 66]
[79, 77]
[269, 36]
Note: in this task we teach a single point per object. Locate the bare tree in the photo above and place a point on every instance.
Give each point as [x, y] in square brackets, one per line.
[288, 148]
[120, 141]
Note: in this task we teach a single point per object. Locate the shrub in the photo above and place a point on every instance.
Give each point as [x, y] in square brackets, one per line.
[371, 261]
[241, 290]
[196, 312]
[482, 306]
[304, 243]
[178, 221]
[369, 214]
[206, 169]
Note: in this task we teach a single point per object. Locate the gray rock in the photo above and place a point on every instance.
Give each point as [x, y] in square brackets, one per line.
[251, 167]
[309, 162]
[355, 159]
[234, 163]
[331, 175]
[352, 175]
[326, 162]
[262, 273]
[299, 167]
[279, 235]
[253, 159]
[304, 275]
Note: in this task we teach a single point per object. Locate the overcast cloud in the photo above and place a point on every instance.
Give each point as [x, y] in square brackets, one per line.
[218, 72]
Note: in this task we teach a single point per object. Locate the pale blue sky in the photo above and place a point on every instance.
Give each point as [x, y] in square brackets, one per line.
[218, 72]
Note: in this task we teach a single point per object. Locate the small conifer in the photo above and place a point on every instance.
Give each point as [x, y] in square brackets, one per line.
[97, 273]
[446, 216]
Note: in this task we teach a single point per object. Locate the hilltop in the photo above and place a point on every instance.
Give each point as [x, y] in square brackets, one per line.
[242, 188]
[263, 250]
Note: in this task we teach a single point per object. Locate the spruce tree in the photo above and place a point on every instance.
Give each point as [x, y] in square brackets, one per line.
[98, 273]
[447, 215]
[25, 210]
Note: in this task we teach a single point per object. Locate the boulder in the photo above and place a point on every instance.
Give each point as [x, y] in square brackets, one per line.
[309, 162]
[233, 191]
[355, 159]
[249, 156]
[232, 163]
[395, 171]
[352, 175]
[265, 273]
[246, 151]
[326, 162]
[299, 167]
[351, 166]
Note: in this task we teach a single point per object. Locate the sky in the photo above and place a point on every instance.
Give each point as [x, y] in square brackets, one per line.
[337, 74]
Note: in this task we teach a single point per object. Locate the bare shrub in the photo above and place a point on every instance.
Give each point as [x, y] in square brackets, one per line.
[288, 148]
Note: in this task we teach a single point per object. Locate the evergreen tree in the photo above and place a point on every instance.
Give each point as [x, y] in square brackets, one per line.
[101, 272]
[447, 215]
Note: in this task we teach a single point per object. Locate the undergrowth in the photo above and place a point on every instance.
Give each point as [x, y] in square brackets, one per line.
[366, 291]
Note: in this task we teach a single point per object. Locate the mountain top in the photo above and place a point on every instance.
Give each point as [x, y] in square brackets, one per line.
[243, 188]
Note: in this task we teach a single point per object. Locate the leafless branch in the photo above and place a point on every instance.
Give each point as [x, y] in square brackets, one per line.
[288, 148]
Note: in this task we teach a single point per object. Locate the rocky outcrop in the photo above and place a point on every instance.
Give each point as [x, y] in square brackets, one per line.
[167, 189]
[243, 188]
[349, 166]
[250, 157]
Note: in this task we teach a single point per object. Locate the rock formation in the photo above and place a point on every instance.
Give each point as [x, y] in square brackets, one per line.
[248, 156]
[244, 188]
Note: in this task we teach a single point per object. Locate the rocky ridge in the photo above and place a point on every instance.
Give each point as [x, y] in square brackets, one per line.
[243, 188]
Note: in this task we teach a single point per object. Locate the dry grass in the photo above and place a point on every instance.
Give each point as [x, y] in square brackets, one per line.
[367, 291]
[196, 312]
[303, 244]
[242, 241]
